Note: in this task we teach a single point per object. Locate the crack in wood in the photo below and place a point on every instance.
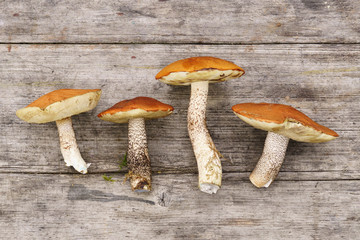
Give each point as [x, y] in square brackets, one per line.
[79, 192]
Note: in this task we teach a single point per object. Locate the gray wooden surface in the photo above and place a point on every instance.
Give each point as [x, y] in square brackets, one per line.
[63, 206]
[169, 21]
[302, 53]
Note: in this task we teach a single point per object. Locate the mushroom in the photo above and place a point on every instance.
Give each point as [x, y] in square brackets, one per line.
[282, 123]
[199, 72]
[135, 111]
[59, 106]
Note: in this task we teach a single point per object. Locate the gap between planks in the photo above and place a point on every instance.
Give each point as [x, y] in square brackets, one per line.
[294, 176]
[178, 43]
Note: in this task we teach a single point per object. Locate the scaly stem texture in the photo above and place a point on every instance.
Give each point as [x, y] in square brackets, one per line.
[68, 146]
[270, 161]
[138, 160]
[208, 160]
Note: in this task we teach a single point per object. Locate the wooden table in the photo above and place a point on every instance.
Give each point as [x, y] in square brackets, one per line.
[302, 53]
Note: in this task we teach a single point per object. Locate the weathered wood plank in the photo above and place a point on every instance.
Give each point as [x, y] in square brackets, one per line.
[162, 21]
[36, 206]
[323, 81]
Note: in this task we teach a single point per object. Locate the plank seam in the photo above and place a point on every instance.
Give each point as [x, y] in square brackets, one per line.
[176, 43]
[173, 172]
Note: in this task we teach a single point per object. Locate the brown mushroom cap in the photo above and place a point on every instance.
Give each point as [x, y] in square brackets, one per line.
[285, 120]
[139, 107]
[60, 104]
[195, 69]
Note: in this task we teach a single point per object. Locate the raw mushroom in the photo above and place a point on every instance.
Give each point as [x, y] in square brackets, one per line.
[199, 72]
[135, 112]
[59, 106]
[282, 123]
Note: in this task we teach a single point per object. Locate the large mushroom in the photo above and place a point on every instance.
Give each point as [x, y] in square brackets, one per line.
[59, 106]
[135, 111]
[199, 72]
[282, 123]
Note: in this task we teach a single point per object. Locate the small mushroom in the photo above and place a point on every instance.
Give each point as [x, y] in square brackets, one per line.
[59, 106]
[282, 123]
[135, 111]
[199, 72]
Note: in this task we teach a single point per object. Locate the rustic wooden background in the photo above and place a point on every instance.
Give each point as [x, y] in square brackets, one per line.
[302, 53]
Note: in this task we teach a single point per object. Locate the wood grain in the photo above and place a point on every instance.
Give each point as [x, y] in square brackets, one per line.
[37, 206]
[323, 81]
[304, 53]
[163, 21]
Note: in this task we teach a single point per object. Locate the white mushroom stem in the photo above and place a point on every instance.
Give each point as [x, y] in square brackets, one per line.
[208, 159]
[138, 160]
[270, 161]
[68, 146]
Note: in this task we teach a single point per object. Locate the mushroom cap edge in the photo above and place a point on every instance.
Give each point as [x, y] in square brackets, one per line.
[59, 104]
[284, 120]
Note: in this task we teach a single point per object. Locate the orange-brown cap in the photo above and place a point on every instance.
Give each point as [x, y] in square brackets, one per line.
[285, 120]
[59, 104]
[139, 107]
[196, 69]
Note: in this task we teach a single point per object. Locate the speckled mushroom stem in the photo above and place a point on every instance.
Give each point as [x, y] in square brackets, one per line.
[138, 159]
[270, 161]
[68, 146]
[208, 160]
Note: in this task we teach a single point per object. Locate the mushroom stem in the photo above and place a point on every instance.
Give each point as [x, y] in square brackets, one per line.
[138, 159]
[270, 161]
[208, 160]
[68, 146]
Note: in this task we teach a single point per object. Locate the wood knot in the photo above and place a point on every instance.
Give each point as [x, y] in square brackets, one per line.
[163, 199]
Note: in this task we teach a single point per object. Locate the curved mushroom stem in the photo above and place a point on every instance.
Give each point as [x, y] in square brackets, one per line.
[138, 160]
[208, 160]
[270, 161]
[68, 146]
